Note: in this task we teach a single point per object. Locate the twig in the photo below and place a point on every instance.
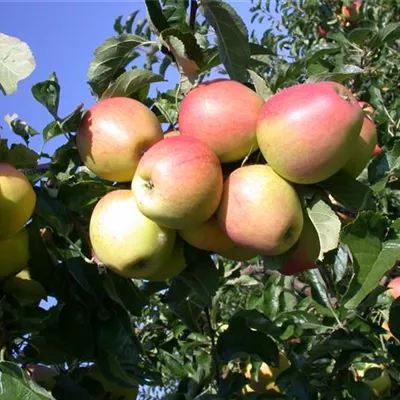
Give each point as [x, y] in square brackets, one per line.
[213, 347]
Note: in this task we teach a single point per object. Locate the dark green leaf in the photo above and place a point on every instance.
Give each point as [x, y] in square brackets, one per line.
[386, 34]
[20, 128]
[22, 157]
[47, 93]
[156, 16]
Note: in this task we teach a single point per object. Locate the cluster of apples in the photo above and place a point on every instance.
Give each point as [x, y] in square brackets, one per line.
[17, 202]
[194, 184]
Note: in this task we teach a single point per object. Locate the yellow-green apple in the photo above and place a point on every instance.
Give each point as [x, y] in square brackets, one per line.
[14, 254]
[124, 239]
[306, 252]
[267, 376]
[377, 150]
[173, 265]
[309, 131]
[260, 211]
[114, 134]
[365, 145]
[237, 253]
[43, 375]
[17, 200]
[394, 287]
[381, 384]
[178, 182]
[207, 236]
[223, 113]
[352, 12]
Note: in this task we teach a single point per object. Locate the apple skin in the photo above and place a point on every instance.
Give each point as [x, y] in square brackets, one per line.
[114, 134]
[207, 236]
[125, 240]
[322, 32]
[174, 264]
[260, 211]
[365, 145]
[14, 254]
[394, 287]
[307, 251]
[352, 13]
[178, 182]
[377, 150]
[171, 132]
[309, 131]
[266, 376]
[17, 200]
[222, 113]
[381, 385]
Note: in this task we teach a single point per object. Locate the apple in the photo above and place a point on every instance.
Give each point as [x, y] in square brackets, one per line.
[309, 131]
[14, 254]
[114, 134]
[17, 200]
[111, 390]
[352, 13]
[377, 150]
[124, 239]
[222, 113]
[267, 376]
[260, 211]
[173, 265]
[171, 132]
[306, 252]
[24, 288]
[178, 182]
[237, 253]
[322, 32]
[394, 287]
[43, 375]
[380, 385]
[365, 145]
[207, 236]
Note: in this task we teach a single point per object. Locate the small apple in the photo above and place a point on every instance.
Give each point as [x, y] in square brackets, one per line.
[394, 287]
[377, 151]
[365, 145]
[381, 384]
[173, 265]
[307, 251]
[352, 13]
[309, 131]
[260, 211]
[178, 182]
[207, 236]
[114, 134]
[222, 113]
[125, 240]
[267, 376]
[322, 32]
[17, 200]
[14, 254]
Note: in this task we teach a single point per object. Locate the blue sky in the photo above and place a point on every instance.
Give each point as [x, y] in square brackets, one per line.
[63, 36]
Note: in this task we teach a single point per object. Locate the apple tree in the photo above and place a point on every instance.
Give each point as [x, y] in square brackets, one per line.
[318, 318]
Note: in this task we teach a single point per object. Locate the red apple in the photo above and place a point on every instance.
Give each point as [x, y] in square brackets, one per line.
[307, 251]
[178, 182]
[394, 287]
[365, 145]
[207, 236]
[377, 151]
[352, 13]
[308, 132]
[322, 32]
[222, 113]
[114, 134]
[260, 211]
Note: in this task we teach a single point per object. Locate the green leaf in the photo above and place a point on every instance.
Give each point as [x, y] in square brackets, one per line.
[131, 83]
[110, 60]
[16, 384]
[16, 62]
[156, 16]
[232, 34]
[386, 34]
[175, 11]
[360, 35]
[260, 85]
[339, 74]
[20, 128]
[327, 224]
[375, 249]
[47, 93]
[349, 192]
[22, 157]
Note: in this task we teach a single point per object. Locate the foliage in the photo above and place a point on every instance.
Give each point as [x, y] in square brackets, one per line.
[167, 337]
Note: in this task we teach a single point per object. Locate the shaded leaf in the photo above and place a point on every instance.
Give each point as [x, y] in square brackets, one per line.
[47, 93]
